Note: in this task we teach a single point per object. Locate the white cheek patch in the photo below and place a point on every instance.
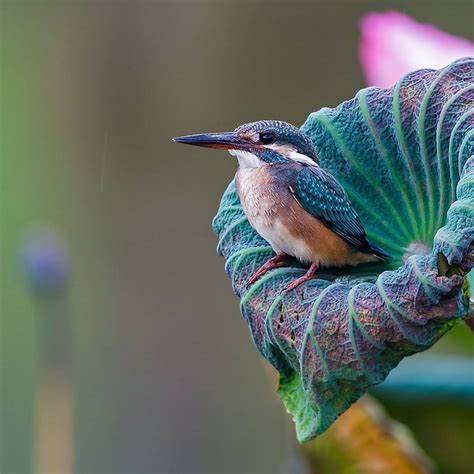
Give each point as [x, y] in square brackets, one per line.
[290, 152]
[301, 158]
[247, 159]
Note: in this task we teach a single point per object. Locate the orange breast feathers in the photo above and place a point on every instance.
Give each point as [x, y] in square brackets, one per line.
[286, 226]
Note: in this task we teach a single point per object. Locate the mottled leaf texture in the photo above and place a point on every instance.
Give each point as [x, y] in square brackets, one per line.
[405, 156]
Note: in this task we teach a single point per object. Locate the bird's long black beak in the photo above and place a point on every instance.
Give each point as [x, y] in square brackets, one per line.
[226, 141]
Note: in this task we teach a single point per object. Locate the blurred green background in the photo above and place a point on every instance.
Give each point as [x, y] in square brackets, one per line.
[166, 377]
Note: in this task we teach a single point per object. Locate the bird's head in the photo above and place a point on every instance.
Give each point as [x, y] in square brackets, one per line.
[258, 143]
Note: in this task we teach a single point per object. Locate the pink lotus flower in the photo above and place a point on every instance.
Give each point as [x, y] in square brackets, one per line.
[393, 44]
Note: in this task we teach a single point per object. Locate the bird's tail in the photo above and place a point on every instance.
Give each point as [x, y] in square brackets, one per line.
[379, 253]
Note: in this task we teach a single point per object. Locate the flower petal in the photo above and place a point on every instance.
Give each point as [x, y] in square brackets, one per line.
[394, 44]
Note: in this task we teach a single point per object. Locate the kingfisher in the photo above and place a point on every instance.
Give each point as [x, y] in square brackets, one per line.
[299, 208]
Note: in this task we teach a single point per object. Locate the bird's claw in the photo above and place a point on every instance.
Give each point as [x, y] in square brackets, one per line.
[309, 275]
[276, 262]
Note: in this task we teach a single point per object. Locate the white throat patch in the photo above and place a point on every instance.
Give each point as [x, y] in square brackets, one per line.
[247, 159]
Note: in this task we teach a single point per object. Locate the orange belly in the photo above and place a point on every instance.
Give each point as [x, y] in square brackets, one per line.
[320, 244]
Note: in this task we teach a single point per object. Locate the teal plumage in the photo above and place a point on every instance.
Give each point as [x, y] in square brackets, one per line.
[323, 197]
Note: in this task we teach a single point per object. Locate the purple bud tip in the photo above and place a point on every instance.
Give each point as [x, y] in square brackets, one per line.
[45, 262]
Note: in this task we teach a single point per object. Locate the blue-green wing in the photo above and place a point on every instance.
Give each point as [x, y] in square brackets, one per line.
[324, 198]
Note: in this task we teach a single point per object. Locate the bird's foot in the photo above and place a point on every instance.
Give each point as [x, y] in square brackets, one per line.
[309, 275]
[276, 262]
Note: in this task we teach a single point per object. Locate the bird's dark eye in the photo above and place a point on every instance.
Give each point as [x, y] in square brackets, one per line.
[266, 138]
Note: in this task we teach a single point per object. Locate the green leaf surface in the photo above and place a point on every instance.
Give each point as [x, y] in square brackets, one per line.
[405, 156]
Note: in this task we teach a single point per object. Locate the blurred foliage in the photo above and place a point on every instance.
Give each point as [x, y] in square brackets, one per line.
[365, 440]
[19, 205]
[443, 428]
